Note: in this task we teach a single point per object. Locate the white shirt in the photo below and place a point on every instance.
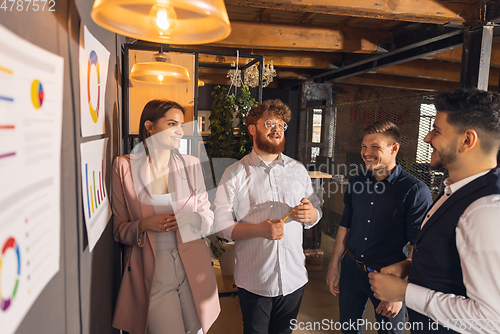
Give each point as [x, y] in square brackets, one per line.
[163, 204]
[251, 192]
[477, 239]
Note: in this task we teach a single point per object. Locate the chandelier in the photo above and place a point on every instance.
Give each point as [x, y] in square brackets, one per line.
[252, 75]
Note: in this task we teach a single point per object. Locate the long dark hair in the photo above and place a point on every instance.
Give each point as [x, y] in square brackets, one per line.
[153, 111]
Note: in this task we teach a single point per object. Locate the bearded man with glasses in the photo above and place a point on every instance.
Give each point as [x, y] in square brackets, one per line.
[253, 204]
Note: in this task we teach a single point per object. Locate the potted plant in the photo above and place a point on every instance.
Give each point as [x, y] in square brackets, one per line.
[223, 148]
[225, 251]
[244, 102]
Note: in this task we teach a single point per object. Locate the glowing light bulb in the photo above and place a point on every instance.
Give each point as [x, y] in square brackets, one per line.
[160, 77]
[163, 18]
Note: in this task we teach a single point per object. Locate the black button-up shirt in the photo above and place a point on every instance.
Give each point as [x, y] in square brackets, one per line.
[384, 215]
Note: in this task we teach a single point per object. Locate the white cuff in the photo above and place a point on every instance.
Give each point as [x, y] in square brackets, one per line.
[416, 297]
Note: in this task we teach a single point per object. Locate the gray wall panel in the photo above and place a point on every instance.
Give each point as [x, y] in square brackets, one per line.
[81, 297]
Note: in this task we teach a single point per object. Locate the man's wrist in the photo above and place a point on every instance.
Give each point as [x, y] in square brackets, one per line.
[334, 262]
[403, 290]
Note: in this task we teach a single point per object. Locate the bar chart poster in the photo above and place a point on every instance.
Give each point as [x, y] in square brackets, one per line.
[31, 95]
[93, 65]
[95, 197]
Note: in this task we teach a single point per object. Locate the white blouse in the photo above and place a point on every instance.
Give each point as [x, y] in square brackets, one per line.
[162, 204]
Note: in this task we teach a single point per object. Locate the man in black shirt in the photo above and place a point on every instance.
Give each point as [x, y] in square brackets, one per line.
[384, 208]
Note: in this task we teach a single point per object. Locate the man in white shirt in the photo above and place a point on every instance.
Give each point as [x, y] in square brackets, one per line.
[454, 272]
[254, 196]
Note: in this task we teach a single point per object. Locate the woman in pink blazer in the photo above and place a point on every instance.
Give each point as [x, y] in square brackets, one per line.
[168, 285]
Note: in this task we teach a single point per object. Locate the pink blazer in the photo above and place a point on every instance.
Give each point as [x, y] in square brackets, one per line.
[130, 204]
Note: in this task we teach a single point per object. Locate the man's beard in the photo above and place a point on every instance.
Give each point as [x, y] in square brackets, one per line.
[264, 144]
[445, 158]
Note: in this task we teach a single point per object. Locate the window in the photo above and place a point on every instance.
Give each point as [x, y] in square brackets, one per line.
[316, 132]
[427, 116]
[184, 149]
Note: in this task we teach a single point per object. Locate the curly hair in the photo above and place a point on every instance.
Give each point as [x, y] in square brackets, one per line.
[274, 108]
[386, 128]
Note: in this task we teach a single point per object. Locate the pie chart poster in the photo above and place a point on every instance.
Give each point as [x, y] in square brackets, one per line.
[94, 60]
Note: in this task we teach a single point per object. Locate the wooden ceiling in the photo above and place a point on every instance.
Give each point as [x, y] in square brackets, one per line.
[304, 38]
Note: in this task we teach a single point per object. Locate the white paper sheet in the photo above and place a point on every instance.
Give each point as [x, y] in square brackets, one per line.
[95, 197]
[94, 60]
[31, 95]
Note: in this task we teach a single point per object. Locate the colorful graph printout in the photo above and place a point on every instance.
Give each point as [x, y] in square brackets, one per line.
[37, 94]
[95, 197]
[8, 296]
[31, 96]
[93, 62]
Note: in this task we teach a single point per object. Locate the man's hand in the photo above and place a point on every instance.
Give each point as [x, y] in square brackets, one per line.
[333, 278]
[388, 309]
[305, 213]
[400, 269]
[388, 287]
[272, 229]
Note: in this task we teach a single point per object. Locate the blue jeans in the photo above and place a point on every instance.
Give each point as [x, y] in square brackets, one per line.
[355, 290]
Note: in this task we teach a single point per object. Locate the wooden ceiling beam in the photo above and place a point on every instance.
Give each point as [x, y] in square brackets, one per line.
[352, 21]
[393, 81]
[291, 60]
[455, 56]
[305, 17]
[423, 11]
[430, 69]
[245, 34]
[222, 79]
[294, 59]
[265, 15]
[280, 74]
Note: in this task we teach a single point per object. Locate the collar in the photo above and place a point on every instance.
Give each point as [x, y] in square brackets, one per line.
[255, 160]
[391, 178]
[450, 187]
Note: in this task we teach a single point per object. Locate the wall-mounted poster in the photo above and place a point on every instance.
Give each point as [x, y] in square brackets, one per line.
[95, 196]
[94, 60]
[31, 96]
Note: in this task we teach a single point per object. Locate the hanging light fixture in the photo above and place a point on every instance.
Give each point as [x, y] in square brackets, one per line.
[201, 83]
[160, 71]
[164, 21]
[252, 75]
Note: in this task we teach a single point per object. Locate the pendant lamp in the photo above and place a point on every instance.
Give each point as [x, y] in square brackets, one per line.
[164, 21]
[160, 71]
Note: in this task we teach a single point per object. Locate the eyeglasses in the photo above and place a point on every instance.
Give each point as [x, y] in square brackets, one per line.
[269, 124]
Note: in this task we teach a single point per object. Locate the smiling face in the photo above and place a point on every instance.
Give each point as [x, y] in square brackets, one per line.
[443, 139]
[272, 140]
[378, 152]
[166, 132]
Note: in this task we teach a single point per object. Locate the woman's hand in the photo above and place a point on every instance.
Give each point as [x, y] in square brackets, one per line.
[158, 223]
